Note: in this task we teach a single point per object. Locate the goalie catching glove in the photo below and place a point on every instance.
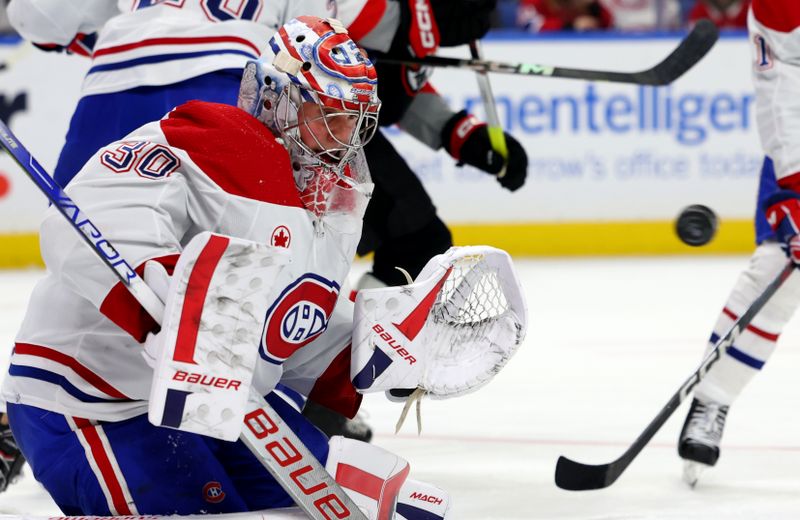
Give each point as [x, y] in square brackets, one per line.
[446, 334]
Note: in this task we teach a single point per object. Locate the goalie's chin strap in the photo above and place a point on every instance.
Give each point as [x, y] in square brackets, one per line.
[416, 395]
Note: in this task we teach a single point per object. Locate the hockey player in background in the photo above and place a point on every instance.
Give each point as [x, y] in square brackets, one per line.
[149, 56]
[287, 164]
[774, 27]
[726, 14]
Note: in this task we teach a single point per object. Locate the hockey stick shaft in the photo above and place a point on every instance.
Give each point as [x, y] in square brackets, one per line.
[496, 136]
[87, 230]
[684, 57]
[267, 436]
[576, 476]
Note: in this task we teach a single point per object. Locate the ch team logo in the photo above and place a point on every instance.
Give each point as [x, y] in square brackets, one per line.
[212, 492]
[341, 57]
[298, 316]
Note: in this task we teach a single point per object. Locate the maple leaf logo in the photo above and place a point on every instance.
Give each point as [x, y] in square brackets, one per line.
[281, 237]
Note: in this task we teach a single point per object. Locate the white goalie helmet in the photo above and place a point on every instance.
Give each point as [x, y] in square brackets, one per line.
[317, 91]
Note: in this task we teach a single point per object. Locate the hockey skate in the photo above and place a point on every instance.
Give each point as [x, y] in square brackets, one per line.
[700, 437]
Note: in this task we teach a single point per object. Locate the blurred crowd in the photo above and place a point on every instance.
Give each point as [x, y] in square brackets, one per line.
[590, 15]
[622, 15]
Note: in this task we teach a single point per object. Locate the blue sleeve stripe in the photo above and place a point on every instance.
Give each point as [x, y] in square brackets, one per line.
[148, 60]
[59, 380]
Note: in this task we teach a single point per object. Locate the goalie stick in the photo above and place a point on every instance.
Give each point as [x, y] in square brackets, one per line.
[696, 45]
[270, 440]
[576, 476]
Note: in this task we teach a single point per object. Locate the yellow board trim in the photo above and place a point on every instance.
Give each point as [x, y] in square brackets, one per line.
[602, 238]
[533, 239]
[20, 250]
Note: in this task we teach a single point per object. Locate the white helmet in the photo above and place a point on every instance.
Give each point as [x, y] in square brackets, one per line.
[318, 94]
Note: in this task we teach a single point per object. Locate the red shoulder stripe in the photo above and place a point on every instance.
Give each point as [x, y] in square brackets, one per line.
[235, 150]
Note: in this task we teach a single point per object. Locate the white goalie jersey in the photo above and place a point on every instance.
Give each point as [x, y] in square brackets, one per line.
[160, 42]
[204, 167]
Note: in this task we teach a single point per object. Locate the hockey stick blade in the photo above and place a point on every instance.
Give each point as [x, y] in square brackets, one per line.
[576, 476]
[690, 51]
[685, 56]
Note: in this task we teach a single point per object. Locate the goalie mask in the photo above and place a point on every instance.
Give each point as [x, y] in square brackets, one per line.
[318, 95]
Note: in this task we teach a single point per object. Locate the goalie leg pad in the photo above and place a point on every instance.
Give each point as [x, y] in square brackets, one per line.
[422, 501]
[371, 476]
[208, 345]
[751, 350]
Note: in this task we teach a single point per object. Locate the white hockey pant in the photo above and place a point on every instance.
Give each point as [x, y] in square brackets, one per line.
[755, 345]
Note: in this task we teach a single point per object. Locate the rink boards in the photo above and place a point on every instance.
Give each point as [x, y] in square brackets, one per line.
[610, 165]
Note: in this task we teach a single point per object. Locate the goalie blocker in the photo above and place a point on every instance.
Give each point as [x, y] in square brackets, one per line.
[203, 357]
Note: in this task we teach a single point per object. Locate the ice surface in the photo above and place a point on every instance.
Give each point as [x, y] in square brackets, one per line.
[610, 341]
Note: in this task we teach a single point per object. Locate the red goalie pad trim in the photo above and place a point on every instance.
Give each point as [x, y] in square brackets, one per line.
[195, 298]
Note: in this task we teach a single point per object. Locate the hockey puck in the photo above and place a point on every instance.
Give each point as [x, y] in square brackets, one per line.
[696, 225]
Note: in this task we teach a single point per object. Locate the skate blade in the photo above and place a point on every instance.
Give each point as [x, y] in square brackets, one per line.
[692, 471]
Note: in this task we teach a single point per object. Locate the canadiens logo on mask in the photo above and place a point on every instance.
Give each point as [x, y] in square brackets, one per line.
[298, 316]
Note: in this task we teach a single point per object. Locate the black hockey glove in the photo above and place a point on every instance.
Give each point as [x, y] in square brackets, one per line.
[400, 84]
[461, 21]
[11, 459]
[467, 140]
[427, 24]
